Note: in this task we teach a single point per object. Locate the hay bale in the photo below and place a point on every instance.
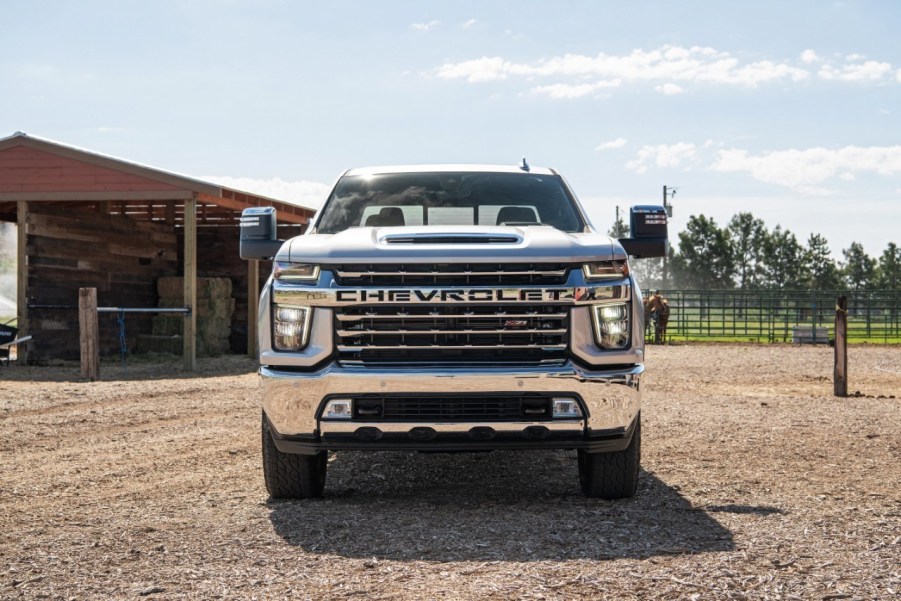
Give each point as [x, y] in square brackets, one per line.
[214, 310]
[168, 325]
[170, 287]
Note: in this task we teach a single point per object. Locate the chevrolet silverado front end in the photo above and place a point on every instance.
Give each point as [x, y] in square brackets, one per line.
[450, 308]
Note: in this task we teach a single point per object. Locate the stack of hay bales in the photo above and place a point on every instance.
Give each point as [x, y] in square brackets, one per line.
[214, 310]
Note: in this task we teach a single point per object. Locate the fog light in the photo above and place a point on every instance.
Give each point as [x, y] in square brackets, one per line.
[290, 327]
[566, 408]
[611, 325]
[338, 409]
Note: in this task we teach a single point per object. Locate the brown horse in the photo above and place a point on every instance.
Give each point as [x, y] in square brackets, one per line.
[656, 311]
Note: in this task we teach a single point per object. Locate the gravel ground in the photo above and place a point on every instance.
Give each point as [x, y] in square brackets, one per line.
[757, 484]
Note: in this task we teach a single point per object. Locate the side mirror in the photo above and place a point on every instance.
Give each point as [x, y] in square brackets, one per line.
[647, 224]
[258, 233]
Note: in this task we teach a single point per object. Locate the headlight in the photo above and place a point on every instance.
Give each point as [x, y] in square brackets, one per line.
[283, 270]
[290, 327]
[611, 325]
[606, 270]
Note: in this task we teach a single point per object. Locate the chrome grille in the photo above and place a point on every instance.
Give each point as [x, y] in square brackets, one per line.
[467, 333]
[482, 274]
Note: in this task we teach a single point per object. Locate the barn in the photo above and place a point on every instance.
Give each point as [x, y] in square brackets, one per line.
[143, 237]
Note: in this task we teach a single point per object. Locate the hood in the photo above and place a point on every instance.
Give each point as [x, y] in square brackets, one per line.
[430, 244]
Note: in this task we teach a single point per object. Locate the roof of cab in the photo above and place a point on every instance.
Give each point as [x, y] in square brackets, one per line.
[447, 168]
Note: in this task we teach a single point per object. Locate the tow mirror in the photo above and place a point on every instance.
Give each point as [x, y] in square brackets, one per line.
[647, 224]
[258, 233]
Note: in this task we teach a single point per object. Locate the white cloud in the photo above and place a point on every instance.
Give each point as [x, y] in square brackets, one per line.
[425, 26]
[804, 170]
[670, 69]
[565, 90]
[866, 71]
[303, 193]
[611, 144]
[669, 89]
[809, 56]
[668, 64]
[469, 23]
[662, 155]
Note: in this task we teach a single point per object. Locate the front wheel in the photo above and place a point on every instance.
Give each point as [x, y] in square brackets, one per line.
[290, 476]
[612, 475]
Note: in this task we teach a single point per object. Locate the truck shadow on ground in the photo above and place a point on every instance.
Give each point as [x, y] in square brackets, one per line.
[512, 506]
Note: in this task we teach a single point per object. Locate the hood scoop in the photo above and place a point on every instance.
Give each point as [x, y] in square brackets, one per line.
[451, 238]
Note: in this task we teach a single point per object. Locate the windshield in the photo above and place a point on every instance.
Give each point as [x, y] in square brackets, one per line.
[449, 198]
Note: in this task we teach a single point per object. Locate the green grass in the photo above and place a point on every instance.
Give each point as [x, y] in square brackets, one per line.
[761, 331]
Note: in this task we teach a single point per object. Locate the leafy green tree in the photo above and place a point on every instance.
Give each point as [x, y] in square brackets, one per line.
[860, 268]
[783, 261]
[822, 271]
[748, 238]
[888, 276]
[705, 259]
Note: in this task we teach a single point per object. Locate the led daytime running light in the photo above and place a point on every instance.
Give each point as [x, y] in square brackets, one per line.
[606, 270]
[283, 270]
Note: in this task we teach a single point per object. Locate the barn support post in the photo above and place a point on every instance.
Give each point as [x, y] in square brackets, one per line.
[190, 284]
[22, 277]
[840, 373]
[89, 334]
[253, 307]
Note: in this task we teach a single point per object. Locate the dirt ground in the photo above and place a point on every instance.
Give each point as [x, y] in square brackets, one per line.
[757, 483]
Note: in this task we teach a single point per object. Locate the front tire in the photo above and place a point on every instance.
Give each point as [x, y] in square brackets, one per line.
[290, 476]
[612, 475]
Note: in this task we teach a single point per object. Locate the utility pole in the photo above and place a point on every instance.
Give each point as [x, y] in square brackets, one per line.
[667, 194]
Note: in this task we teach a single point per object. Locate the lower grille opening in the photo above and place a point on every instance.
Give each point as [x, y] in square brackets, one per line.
[438, 408]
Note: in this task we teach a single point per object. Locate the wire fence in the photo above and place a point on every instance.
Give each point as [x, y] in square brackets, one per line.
[780, 316]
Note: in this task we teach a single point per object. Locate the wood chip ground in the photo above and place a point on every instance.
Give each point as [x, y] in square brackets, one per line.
[757, 484]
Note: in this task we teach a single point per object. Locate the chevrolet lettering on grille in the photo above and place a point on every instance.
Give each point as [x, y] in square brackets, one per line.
[451, 296]
[303, 295]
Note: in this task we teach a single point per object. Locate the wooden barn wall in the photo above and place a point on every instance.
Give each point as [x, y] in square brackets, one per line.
[217, 257]
[69, 249]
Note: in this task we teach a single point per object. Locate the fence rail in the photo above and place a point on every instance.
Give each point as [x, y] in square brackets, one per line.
[781, 316]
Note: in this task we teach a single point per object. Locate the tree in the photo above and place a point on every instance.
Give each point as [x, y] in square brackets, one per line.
[888, 276]
[620, 229]
[705, 258]
[783, 260]
[648, 272]
[748, 238]
[859, 267]
[822, 271]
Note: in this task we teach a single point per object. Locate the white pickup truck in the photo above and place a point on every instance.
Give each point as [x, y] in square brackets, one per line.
[451, 308]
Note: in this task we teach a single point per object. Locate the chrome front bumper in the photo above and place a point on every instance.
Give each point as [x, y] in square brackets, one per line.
[292, 399]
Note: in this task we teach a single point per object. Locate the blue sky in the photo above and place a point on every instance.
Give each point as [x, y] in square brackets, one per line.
[789, 110]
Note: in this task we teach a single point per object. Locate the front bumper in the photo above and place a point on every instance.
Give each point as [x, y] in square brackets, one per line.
[292, 400]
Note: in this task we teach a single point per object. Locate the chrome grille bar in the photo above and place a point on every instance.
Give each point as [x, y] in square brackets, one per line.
[449, 274]
[434, 314]
[452, 332]
[347, 333]
[500, 274]
[354, 349]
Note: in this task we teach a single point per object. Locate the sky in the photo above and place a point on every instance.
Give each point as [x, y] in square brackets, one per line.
[788, 110]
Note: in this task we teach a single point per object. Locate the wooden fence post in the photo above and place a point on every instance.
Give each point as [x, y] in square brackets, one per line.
[840, 374]
[89, 334]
